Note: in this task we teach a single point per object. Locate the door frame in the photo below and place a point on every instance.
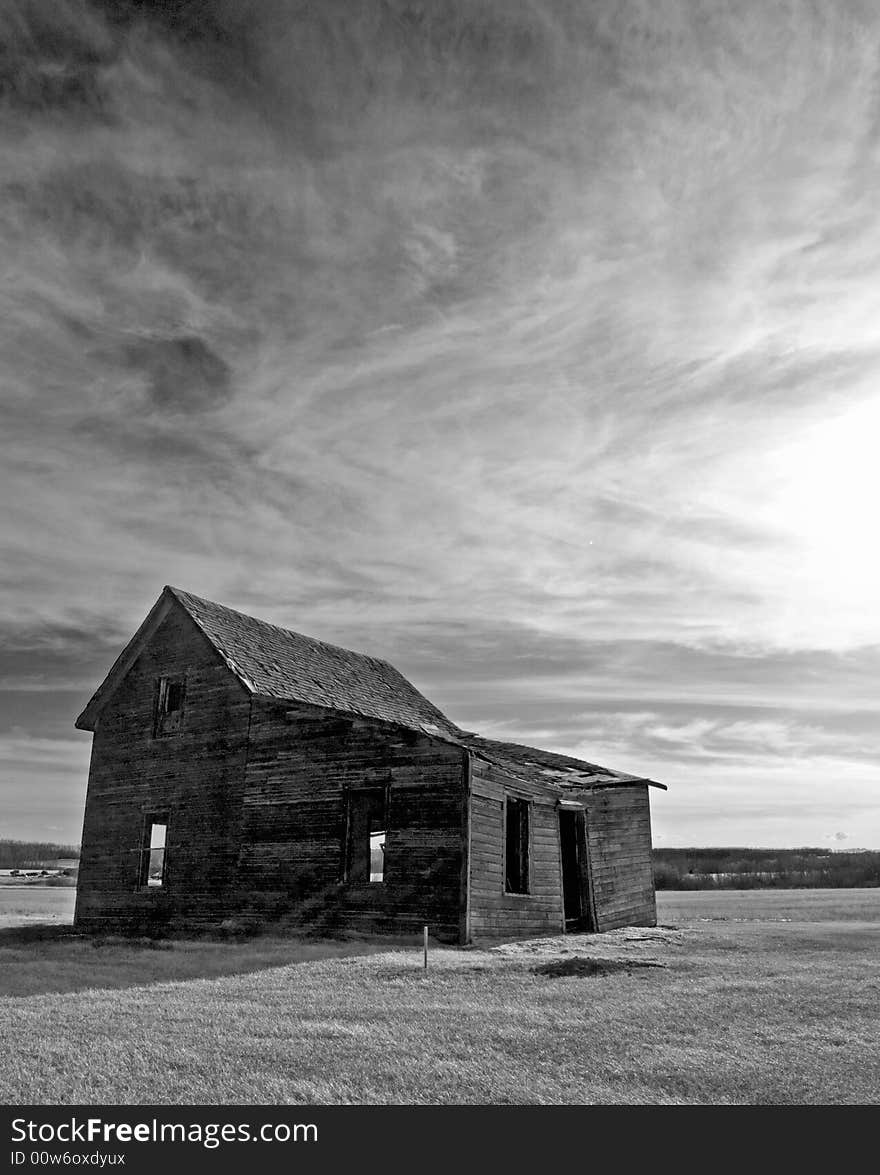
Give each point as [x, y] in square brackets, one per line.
[586, 919]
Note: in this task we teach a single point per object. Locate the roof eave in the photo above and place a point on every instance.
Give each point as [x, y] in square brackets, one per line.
[428, 730]
[604, 783]
[611, 779]
[627, 779]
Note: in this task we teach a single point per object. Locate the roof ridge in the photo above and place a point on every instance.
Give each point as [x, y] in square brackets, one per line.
[178, 592]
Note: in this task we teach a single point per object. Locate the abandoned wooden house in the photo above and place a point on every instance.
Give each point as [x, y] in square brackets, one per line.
[243, 773]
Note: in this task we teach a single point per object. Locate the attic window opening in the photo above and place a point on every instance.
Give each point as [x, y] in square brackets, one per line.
[169, 705]
[152, 863]
[516, 847]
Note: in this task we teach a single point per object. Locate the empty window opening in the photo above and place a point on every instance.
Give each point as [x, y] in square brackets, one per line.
[377, 856]
[169, 705]
[516, 855]
[153, 853]
[367, 822]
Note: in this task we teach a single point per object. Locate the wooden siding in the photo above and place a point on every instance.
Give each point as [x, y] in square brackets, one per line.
[303, 763]
[619, 845]
[196, 776]
[492, 913]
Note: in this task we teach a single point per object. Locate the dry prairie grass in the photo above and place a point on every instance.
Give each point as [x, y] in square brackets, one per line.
[750, 1012]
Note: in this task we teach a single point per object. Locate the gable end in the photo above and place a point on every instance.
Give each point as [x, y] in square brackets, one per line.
[90, 716]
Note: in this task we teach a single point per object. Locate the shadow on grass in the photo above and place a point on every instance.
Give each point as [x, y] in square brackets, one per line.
[582, 965]
[34, 932]
[41, 959]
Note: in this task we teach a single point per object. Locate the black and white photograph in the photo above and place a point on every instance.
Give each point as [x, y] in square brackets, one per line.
[439, 566]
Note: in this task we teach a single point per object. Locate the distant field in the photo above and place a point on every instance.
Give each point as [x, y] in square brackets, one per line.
[773, 905]
[25, 904]
[21, 905]
[754, 997]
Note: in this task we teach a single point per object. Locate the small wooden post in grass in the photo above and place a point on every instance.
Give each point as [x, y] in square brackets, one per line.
[426, 948]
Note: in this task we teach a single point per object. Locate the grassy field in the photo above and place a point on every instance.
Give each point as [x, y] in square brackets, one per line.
[770, 905]
[24, 904]
[754, 997]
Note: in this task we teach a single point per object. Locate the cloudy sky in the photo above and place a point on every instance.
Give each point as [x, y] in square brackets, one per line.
[531, 344]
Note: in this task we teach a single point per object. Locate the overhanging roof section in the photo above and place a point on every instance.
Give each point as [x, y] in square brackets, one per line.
[536, 766]
[274, 662]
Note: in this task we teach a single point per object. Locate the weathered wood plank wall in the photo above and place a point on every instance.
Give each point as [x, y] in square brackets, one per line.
[196, 776]
[494, 914]
[619, 845]
[302, 765]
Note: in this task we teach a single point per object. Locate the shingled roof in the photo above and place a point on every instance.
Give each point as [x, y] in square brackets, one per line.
[529, 763]
[274, 662]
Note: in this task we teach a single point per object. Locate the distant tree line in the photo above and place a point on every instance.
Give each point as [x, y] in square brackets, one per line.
[28, 854]
[739, 868]
[729, 868]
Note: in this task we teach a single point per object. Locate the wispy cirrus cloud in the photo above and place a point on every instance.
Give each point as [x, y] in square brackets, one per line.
[546, 329]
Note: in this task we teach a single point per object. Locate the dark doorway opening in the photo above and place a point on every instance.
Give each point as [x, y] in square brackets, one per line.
[576, 895]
